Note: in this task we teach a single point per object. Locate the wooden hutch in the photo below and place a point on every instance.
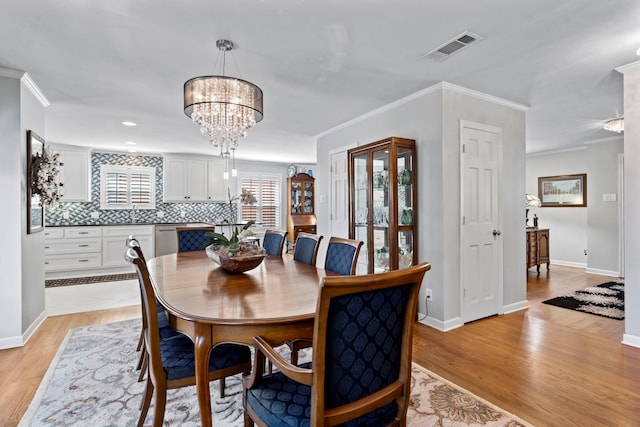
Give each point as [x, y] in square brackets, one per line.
[301, 206]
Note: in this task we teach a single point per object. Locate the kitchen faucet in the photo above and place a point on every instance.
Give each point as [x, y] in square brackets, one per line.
[133, 214]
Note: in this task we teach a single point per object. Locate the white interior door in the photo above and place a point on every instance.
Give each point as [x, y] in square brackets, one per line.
[481, 235]
[338, 196]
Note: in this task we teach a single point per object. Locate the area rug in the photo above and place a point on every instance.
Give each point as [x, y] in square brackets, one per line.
[54, 283]
[605, 300]
[92, 382]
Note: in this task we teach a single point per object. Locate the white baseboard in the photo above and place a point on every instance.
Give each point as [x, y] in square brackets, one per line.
[602, 272]
[517, 306]
[568, 263]
[631, 340]
[439, 324]
[21, 340]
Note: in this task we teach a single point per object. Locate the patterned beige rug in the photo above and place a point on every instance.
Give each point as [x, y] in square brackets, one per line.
[92, 382]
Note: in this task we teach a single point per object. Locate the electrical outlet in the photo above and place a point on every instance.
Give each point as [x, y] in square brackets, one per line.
[429, 293]
[160, 214]
[65, 215]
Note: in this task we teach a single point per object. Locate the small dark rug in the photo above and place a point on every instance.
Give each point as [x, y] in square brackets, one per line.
[605, 300]
[54, 283]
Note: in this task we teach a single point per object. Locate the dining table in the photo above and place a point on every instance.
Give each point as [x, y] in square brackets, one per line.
[276, 300]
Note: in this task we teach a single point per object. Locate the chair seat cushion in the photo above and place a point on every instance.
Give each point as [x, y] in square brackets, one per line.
[178, 357]
[280, 401]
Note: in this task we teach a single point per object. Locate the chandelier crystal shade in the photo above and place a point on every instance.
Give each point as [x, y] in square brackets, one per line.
[224, 108]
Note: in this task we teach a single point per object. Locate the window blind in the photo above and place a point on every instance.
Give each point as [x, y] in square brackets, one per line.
[122, 187]
[266, 188]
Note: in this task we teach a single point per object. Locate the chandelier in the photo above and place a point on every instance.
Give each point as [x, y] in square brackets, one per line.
[223, 107]
[615, 125]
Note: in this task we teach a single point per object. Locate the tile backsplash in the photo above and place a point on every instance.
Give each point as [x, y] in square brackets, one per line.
[72, 213]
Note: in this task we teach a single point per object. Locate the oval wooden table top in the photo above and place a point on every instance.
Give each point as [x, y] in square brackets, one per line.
[191, 286]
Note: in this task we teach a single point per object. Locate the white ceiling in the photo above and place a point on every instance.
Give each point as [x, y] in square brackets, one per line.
[319, 63]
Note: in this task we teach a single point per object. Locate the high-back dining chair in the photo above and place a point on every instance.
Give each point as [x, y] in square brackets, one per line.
[192, 238]
[342, 255]
[341, 258]
[361, 369]
[306, 249]
[172, 360]
[273, 241]
[163, 320]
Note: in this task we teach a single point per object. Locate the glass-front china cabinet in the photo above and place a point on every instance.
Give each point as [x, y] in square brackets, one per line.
[301, 215]
[382, 204]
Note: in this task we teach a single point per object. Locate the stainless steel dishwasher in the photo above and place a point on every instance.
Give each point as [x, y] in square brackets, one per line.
[166, 240]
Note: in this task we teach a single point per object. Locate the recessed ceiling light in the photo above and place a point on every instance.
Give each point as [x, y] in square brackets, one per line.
[131, 150]
[128, 123]
[130, 143]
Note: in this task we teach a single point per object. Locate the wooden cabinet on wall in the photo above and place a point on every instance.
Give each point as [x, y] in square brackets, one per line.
[301, 206]
[383, 204]
[538, 248]
[185, 180]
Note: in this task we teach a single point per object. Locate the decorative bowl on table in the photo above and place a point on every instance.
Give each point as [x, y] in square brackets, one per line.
[238, 263]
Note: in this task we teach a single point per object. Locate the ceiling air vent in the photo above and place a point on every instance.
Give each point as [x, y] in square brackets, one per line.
[454, 45]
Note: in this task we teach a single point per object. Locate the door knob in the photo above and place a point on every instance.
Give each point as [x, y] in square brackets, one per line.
[497, 232]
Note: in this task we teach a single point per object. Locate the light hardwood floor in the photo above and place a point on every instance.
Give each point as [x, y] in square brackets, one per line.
[550, 366]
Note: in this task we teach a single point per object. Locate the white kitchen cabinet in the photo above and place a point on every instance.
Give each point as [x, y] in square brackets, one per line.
[75, 174]
[72, 249]
[217, 188]
[185, 179]
[91, 250]
[114, 243]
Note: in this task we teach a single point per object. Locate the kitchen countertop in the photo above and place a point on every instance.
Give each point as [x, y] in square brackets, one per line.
[187, 224]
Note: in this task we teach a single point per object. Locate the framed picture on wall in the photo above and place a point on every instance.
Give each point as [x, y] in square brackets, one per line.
[35, 211]
[563, 190]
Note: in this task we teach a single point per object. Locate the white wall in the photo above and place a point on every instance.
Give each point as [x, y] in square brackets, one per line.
[632, 203]
[21, 255]
[575, 229]
[11, 168]
[432, 119]
[567, 226]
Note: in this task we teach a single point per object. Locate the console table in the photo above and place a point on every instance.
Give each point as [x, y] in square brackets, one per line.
[537, 247]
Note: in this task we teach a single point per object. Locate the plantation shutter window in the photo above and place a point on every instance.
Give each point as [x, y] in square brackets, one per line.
[122, 187]
[266, 188]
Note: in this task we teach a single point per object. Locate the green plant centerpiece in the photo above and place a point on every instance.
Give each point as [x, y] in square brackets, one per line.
[235, 254]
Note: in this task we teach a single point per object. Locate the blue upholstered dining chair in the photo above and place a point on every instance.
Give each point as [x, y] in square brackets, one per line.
[341, 258]
[273, 242]
[172, 360]
[342, 255]
[306, 249]
[361, 369]
[192, 238]
[163, 320]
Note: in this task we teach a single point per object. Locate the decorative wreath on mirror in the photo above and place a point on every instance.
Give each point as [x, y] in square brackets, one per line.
[45, 180]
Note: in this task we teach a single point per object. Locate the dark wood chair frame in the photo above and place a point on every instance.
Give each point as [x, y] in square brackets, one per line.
[331, 287]
[283, 234]
[316, 237]
[211, 228]
[157, 381]
[357, 244]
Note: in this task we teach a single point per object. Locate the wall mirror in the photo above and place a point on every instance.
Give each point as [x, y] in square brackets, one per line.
[35, 211]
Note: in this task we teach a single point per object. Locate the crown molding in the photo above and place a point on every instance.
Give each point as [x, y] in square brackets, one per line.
[563, 150]
[35, 90]
[421, 93]
[12, 74]
[25, 78]
[628, 67]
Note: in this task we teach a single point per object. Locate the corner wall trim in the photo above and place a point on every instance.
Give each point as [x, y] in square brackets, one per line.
[21, 340]
[440, 325]
[516, 306]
